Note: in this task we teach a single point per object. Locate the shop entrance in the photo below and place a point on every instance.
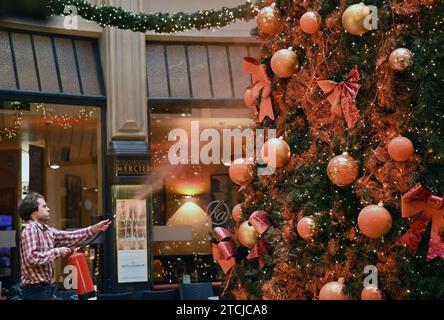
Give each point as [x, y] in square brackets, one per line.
[55, 150]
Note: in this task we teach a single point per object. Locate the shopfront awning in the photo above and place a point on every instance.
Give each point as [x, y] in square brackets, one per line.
[197, 74]
[50, 65]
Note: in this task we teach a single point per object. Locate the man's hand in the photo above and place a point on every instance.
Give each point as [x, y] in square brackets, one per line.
[64, 251]
[102, 225]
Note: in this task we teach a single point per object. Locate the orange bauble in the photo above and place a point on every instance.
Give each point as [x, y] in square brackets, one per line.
[284, 63]
[268, 20]
[241, 172]
[401, 59]
[310, 22]
[307, 228]
[371, 293]
[400, 149]
[276, 152]
[353, 18]
[248, 98]
[374, 221]
[333, 291]
[342, 170]
[237, 214]
[247, 235]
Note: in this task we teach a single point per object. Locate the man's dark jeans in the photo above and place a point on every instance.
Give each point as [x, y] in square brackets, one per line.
[40, 292]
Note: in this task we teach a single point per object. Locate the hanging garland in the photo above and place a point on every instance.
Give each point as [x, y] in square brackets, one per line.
[107, 16]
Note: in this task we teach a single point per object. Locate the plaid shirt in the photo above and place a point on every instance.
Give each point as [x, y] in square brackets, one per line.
[39, 247]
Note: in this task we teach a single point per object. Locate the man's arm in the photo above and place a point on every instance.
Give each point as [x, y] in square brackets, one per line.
[71, 238]
[34, 253]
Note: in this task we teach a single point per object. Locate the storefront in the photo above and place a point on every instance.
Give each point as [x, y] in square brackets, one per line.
[96, 153]
[52, 115]
[198, 86]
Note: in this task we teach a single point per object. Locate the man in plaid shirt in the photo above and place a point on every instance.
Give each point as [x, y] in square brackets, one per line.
[41, 244]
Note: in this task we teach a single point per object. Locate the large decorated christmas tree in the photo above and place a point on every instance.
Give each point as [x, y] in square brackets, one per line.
[355, 92]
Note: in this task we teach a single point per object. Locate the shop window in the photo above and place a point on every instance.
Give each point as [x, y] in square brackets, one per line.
[183, 192]
[54, 150]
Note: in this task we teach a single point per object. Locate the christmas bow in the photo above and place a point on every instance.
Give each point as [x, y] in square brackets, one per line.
[343, 94]
[259, 220]
[261, 81]
[421, 200]
[259, 251]
[224, 252]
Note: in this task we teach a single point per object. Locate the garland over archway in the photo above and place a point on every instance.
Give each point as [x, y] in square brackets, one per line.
[107, 16]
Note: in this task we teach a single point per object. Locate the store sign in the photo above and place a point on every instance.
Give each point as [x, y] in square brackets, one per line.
[131, 167]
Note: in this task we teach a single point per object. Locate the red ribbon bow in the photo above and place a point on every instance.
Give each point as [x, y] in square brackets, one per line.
[417, 200]
[225, 251]
[259, 220]
[259, 251]
[261, 81]
[343, 95]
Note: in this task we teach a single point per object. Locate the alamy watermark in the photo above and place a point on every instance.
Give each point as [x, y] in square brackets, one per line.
[371, 20]
[371, 280]
[188, 150]
[71, 20]
[70, 281]
[218, 212]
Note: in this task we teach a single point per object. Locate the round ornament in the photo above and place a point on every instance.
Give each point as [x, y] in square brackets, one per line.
[374, 221]
[342, 170]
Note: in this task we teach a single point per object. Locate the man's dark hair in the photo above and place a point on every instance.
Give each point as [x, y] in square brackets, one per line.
[29, 205]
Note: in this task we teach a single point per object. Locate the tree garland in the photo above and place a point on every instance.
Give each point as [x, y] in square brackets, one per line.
[107, 16]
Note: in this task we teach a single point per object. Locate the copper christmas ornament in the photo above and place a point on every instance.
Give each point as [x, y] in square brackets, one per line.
[307, 227]
[247, 235]
[249, 100]
[374, 221]
[400, 149]
[401, 59]
[241, 172]
[310, 22]
[371, 293]
[353, 19]
[342, 170]
[276, 152]
[284, 63]
[268, 19]
[236, 213]
[333, 291]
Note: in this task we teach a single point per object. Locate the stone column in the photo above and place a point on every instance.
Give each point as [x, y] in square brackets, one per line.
[123, 56]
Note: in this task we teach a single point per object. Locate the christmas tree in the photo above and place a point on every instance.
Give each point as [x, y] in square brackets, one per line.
[355, 92]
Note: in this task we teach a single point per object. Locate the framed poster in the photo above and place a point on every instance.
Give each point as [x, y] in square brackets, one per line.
[131, 233]
[73, 201]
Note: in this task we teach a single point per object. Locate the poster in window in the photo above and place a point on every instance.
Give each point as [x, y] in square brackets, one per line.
[131, 233]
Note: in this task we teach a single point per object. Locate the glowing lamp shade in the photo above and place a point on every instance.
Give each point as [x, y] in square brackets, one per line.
[188, 184]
